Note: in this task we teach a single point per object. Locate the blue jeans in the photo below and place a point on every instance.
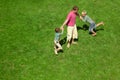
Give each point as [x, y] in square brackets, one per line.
[92, 26]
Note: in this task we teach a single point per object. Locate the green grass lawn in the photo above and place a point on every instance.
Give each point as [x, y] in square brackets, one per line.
[27, 34]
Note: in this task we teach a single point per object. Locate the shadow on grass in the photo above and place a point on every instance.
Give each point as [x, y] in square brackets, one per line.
[85, 27]
[63, 41]
[99, 30]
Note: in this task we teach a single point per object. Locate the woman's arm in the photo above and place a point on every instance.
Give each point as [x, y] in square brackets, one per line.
[65, 22]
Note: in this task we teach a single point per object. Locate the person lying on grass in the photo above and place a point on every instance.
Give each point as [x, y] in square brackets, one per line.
[92, 26]
[57, 45]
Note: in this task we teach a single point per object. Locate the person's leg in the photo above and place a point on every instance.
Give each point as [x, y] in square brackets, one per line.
[92, 26]
[95, 26]
[59, 46]
[55, 47]
[69, 35]
[75, 34]
[101, 23]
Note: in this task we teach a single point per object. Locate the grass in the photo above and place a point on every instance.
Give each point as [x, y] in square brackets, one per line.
[26, 41]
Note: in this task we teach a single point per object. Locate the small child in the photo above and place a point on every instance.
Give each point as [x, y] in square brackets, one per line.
[92, 26]
[57, 45]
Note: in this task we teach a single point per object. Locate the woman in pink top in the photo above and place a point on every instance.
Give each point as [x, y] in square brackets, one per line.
[71, 23]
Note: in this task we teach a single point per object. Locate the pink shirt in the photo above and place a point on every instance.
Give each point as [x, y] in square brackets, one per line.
[71, 19]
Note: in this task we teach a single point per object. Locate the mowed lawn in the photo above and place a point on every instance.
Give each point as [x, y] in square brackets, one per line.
[27, 34]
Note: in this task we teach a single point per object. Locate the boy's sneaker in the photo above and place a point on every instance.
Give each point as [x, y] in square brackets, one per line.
[55, 51]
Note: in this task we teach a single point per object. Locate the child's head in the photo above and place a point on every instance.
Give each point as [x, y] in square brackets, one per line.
[84, 13]
[57, 30]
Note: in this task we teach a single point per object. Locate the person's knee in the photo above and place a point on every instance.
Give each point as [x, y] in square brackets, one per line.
[68, 39]
[60, 48]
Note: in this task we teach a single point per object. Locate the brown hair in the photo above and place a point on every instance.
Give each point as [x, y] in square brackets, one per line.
[57, 29]
[75, 8]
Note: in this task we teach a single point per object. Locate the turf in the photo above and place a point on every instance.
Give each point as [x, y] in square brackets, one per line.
[27, 34]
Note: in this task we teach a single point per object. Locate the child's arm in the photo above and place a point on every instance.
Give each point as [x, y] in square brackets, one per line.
[62, 31]
[82, 19]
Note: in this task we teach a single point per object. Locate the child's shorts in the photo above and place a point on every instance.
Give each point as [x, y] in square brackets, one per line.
[57, 44]
[92, 26]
